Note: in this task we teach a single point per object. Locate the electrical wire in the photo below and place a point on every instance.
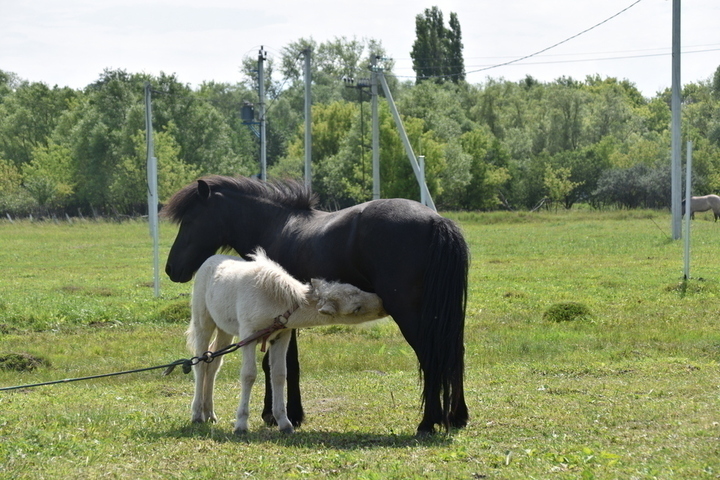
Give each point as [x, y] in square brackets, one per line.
[510, 62]
[558, 43]
[579, 60]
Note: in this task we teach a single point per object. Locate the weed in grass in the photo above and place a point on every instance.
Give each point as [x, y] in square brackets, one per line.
[175, 312]
[22, 362]
[567, 312]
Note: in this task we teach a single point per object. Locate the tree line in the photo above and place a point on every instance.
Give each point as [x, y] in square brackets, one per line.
[494, 145]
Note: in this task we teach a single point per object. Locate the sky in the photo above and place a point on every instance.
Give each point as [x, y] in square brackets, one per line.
[71, 42]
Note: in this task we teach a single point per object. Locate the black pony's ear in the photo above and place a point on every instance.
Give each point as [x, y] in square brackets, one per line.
[203, 189]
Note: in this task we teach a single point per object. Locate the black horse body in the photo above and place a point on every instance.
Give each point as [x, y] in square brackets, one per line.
[414, 259]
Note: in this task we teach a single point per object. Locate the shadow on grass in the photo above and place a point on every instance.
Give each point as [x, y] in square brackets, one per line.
[301, 438]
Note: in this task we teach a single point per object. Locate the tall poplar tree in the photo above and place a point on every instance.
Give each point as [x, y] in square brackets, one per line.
[437, 51]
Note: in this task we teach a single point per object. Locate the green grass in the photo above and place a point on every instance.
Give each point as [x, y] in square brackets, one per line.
[629, 389]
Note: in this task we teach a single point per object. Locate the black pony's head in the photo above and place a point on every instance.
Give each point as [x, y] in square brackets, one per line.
[210, 213]
[199, 235]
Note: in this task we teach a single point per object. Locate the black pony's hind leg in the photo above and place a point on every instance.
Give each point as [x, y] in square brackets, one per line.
[457, 416]
[458, 408]
[294, 402]
[432, 407]
[432, 414]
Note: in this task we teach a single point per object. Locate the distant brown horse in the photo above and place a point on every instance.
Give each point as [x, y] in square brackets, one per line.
[703, 204]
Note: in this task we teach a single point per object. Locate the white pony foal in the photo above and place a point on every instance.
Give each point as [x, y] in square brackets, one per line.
[234, 297]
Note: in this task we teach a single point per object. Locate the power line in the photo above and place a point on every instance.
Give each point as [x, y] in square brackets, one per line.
[599, 59]
[666, 50]
[579, 60]
[560, 42]
[510, 62]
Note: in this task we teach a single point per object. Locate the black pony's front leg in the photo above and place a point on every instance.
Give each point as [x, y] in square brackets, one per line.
[294, 402]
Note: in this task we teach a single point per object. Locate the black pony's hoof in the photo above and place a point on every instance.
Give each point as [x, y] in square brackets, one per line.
[296, 421]
[296, 416]
[269, 419]
[425, 431]
[458, 423]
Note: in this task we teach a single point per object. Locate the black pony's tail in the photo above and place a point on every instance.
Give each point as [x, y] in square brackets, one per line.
[443, 325]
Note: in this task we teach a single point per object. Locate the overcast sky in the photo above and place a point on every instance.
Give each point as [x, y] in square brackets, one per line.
[70, 42]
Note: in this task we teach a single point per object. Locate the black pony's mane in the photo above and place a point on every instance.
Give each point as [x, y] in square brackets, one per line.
[289, 193]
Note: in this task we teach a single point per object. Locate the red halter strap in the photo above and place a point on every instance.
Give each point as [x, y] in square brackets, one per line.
[278, 324]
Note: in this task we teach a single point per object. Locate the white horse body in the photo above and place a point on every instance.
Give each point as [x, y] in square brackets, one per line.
[234, 297]
[703, 204]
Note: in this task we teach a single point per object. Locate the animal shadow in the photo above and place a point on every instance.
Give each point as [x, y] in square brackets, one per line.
[301, 438]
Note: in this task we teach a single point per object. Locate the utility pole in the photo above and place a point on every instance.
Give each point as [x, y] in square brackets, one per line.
[152, 187]
[375, 128]
[675, 171]
[688, 199]
[308, 121]
[262, 56]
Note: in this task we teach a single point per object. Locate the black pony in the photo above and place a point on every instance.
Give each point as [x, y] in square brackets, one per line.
[414, 259]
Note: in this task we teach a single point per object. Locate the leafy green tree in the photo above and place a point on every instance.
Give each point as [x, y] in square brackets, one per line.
[437, 50]
[8, 83]
[97, 132]
[637, 186]
[566, 105]
[49, 176]
[610, 110]
[228, 100]
[14, 199]
[559, 186]
[655, 115]
[716, 84]
[28, 116]
[331, 124]
[455, 63]
[487, 170]
[439, 106]
[128, 188]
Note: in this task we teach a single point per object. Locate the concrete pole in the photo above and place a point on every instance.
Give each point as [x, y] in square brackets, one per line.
[675, 172]
[261, 105]
[308, 121]
[688, 195]
[421, 182]
[375, 129]
[152, 188]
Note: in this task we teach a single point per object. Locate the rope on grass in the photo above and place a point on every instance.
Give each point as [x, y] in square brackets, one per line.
[186, 364]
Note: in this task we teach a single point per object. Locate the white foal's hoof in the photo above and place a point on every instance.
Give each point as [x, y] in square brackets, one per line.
[285, 426]
[203, 418]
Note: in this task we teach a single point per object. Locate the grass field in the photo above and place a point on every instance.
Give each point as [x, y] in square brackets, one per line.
[629, 388]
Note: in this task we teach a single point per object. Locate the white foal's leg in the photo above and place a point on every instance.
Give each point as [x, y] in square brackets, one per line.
[278, 376]
[200, 333]
[248, 373]
[210, 373]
